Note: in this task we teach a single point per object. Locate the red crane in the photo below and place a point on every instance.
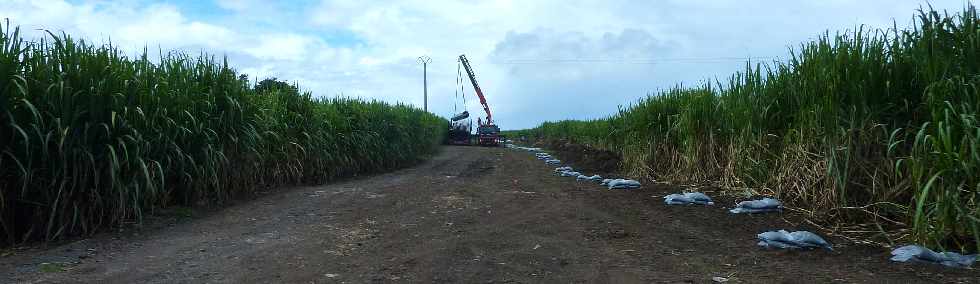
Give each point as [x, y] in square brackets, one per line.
[488, 132]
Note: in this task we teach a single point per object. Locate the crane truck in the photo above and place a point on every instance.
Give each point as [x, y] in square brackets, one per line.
[488, 134]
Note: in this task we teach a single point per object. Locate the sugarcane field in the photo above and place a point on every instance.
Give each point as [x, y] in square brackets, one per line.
[490, 141]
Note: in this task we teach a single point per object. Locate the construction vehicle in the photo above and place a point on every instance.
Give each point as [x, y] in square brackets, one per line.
[488, 134]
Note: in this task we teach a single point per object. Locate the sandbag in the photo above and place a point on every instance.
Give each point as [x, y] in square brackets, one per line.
[623, 184]
[796, 240]
[688, 198]
[461, 116]
[563, 169]
[758, 206]
[569, 174]
[589, 178]
[553, 162]
[524, 148]
[921, 254]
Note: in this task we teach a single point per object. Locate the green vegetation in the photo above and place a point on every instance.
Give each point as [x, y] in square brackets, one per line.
[876, 129]
[91, 139]
[47, 267]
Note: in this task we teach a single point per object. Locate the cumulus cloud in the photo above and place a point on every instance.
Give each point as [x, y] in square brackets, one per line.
[129, 26]
[164, 24]
[536, 60]
[586, 75]
[282, 47]
[238, 5]
[576, 51]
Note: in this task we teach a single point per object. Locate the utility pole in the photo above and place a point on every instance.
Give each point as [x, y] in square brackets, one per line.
[425, 60]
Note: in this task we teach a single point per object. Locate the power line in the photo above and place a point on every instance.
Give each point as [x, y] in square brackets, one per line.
[636, 60]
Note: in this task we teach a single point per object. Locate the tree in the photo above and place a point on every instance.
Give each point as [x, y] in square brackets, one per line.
[271, 84]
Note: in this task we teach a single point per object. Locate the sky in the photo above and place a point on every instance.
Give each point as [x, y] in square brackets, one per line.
[536, 61]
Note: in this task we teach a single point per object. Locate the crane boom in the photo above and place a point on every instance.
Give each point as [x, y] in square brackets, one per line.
[476, 87]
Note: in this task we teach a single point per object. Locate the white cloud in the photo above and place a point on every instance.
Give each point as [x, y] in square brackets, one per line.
[128, 26]
[164, 24]
[609, 52]
[238, 5]
[282, 47]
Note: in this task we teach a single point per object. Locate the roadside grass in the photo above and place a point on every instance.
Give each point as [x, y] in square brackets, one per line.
[872, 131]
[91, 139]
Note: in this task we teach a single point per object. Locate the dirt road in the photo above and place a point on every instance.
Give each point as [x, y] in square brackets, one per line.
[469, 215]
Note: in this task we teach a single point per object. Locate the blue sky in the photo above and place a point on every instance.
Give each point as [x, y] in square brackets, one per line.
[536, 60]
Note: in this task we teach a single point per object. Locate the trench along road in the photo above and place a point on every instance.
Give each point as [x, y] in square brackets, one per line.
[468, 215]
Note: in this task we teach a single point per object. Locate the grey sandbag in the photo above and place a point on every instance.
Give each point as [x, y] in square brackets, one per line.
[922, 254]
[795, 240]
[623, 184]
[758, 206]
[569, 174]
[461, 116]
[589, 178]
[688, 198]
[618, 183]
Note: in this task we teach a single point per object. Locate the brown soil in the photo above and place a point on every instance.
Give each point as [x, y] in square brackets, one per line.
[469, 215]
[601, 162]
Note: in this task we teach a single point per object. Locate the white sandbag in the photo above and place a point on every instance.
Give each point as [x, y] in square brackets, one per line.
[553, 162]
[758, 206]
[589, 178]
[523, 148]
[624, 184]
[563, 169]
[688, 198]
[620, 183]
[461, 116]
[795, 240]
[569, 174]
[921, 254]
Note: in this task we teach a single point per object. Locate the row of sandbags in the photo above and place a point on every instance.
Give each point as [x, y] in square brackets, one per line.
[569, 172]
[780, 239]
[608, 183]
[529, 149]
[547, 159]
[783, 239]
